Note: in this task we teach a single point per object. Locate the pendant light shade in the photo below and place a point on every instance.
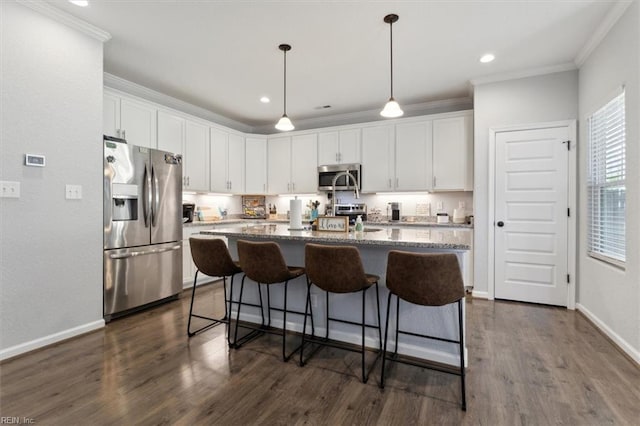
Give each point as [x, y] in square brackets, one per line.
[285, 123]
[392, 108]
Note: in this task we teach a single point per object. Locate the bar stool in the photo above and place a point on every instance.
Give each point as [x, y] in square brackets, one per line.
[427, 279]
[212, 258]
[338, 269]
[263, 263]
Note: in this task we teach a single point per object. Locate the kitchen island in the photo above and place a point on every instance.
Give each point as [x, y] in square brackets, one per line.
[374, 244]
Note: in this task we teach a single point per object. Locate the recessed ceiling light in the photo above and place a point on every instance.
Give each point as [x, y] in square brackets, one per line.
[487, 58]
[265, 100]
[81, 3]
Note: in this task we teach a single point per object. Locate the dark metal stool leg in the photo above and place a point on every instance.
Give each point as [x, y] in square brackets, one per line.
[364, 375]
[304, 322]
[193, 295]
[462, 372]
[395, 352]
[386, 335]
[284, 325]
[379, 322]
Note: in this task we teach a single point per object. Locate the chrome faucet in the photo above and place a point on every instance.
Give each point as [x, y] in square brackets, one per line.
[333, 186]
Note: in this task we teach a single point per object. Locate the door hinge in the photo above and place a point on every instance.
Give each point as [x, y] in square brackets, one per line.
[568, 145]
[568, 278]
[568, 212]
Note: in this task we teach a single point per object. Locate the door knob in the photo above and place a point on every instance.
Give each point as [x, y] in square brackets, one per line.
[500, 224]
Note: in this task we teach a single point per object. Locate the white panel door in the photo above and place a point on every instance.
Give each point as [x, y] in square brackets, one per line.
[531, 216]
[413, 157]
[328, 148]
[138, 123]
[349, 152]
[196, 152]
[377, 159]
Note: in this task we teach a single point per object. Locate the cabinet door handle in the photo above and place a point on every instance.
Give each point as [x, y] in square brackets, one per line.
[264, 187]
[389, 183]
[124, 134]
[434, 181]
[336, 156]
[294, 186]
[118, 132]
[288, 186]
[230, 184]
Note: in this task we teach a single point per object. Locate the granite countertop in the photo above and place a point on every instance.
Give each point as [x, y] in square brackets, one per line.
[420, 224]
[435, 238]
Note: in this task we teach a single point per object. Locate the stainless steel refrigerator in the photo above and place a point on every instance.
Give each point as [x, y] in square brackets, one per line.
[142, 226]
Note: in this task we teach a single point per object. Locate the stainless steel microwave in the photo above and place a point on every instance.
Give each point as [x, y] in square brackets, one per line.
[326, 174]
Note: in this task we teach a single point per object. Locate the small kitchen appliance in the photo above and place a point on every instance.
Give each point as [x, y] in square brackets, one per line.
[188, 210]
[395, 212]
[352, 211]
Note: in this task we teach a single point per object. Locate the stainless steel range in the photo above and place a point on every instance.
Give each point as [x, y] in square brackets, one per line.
[352, 211]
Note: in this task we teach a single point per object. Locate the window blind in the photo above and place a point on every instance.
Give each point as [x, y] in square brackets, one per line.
[606, 183]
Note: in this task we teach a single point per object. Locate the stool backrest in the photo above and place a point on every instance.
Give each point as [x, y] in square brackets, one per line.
[262, 262]
[337, 269]
[212, 257]
[432, 279]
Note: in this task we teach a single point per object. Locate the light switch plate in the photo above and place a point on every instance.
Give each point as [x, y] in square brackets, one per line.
[440, 205]
[73, 192]
[9, 189]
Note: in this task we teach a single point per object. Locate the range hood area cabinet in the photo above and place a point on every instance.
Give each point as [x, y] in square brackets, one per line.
[191, 140]
[226, 162]
[419, 155]
[339, 147]
[292, 164]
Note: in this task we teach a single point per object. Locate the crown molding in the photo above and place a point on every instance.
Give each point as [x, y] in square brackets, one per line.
[115, 82]
[411, 110]
[66, 19]
[531, 72]
[615, 13]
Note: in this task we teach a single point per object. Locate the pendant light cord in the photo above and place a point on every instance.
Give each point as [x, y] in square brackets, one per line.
[285, 82]
[391, 62]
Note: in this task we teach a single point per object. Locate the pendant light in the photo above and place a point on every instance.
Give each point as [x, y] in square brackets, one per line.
[391, 108]
[285, 123]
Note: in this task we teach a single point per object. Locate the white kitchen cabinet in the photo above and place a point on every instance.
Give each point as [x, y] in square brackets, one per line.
[292, 164]
[255, 177]
[279, 165]
[191, 140]
[227, 162]
[339, 147]
[195, 167]
[452, 154]
[129, 119]
[413, 156]
[378, 172]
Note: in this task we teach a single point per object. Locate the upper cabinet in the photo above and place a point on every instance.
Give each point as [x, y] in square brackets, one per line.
[378, 171]
[255, 165]
[428, 154]
[226, 162]
[453, 153]
[190, 139]
[339, 147]
[292, 164]
[129, 119]
[413, 156]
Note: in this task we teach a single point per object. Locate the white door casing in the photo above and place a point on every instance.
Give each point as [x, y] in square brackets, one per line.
[533, 252]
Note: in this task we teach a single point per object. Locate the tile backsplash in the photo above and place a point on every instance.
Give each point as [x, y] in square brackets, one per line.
[421, 205]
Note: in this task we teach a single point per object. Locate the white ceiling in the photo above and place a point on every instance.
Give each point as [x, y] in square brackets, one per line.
[223, 55]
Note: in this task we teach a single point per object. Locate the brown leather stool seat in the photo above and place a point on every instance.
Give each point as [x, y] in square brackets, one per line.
[212, 258]
[427, 279]
[263, 263]
[338, 269]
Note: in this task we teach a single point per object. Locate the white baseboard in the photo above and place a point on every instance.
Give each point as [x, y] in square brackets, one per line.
[201, 281]
[480, 294]
[619, 341]
[49, 340]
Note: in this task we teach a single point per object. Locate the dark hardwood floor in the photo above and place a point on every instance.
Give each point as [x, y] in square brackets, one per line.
[527, 365]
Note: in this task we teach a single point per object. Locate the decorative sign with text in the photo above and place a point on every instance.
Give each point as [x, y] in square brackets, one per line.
[333, 223]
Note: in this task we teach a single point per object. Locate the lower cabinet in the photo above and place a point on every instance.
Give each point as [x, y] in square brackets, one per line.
[188, 267]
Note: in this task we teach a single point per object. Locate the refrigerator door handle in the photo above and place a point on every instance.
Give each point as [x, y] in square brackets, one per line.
[141, 253]
[156, 197]
[146, 196]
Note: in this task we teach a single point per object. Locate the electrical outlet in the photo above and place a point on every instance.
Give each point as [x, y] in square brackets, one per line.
[462, 205]
[9, 189]
[73, 192]
[314, 300]
[440, 205]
